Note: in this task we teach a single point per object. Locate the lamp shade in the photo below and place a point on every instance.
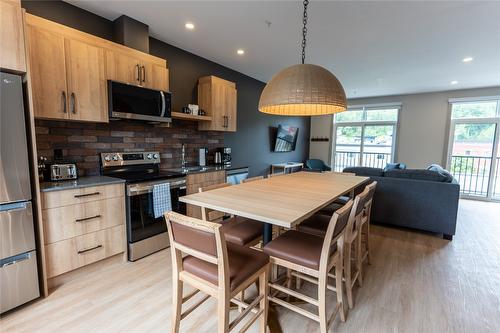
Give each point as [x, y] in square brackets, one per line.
[303, 90]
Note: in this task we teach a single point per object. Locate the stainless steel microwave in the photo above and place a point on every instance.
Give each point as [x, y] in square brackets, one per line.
[127, 101]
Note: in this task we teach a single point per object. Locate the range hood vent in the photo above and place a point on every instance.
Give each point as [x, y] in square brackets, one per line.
[131, 33]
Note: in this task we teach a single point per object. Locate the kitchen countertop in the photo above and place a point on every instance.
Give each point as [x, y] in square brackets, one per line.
[208, 168]
[79, 183]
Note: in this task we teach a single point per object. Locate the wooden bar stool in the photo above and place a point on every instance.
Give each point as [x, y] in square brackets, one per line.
[365, 224]
[238, 230]
[311, 258]
[202, 259]
[317, 224]
[252, 179]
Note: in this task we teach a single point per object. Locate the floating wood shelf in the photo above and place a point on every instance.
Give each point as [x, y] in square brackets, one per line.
[192, 117]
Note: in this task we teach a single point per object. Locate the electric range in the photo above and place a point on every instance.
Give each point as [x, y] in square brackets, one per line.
[141, 171]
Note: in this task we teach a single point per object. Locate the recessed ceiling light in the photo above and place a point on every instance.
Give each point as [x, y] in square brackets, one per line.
[467, 59]
[454, 82]
[189, 26]
[240, 51]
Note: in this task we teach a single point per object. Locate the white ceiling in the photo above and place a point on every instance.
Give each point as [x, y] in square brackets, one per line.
[375, 48]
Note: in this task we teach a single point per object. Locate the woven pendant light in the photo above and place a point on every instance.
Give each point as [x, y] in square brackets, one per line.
[304, 89]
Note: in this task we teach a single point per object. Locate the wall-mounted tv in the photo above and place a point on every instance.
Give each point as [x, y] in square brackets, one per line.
[286, 138]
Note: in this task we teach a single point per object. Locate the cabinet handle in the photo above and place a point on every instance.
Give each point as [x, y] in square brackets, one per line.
[86, 195]
[138, 73]
[72, 102]
[92, 248]
[88, 218]
[63, 95]
[143, 74]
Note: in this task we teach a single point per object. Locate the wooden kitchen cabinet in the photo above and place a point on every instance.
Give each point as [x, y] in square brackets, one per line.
[130, 69]
[67, 76]
[69, 70]
[217, 97]
[202, 179]
[86, 82]
[48, 73]
[12, 52]
[82, 226]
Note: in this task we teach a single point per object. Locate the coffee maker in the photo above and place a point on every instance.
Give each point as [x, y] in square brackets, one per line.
[223, 156]
[226, 156]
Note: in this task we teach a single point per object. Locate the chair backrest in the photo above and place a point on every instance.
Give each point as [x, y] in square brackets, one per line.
[368, 204]
[201, 239]
[357, 212]
[208, 214]
[252, 179]
[341, 173]
[316, 164]
[335, 233]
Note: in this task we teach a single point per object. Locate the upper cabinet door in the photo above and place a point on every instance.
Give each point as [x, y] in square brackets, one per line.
[154, 76]
[231, 94]
[47, 73]
[123, 68]
[86, 81]
[12, 53]
[217, 97]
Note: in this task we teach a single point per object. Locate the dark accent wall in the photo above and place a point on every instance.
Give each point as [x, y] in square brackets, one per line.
[251, 144]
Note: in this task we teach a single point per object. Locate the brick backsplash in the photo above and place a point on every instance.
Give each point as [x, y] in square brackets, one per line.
[82, 142]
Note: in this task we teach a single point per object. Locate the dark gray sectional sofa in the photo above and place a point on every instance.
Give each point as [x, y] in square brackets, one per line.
[419, 199]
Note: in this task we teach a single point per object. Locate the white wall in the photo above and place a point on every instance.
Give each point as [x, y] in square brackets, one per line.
[424, 122]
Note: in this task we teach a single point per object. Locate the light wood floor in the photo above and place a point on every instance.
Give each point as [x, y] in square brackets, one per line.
[416, 283]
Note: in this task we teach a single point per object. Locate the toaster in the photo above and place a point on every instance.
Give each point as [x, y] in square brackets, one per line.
[63, 171]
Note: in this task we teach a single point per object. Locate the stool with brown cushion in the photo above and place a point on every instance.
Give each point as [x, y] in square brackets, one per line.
[315, 225]
[311, 258]
[202, 259]
[237, 230]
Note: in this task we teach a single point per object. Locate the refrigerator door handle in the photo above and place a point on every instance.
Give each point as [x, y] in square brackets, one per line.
[16, 259]
[14, 207]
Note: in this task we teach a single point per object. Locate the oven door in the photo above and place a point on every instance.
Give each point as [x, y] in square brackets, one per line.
[127, 101]
[141, 223]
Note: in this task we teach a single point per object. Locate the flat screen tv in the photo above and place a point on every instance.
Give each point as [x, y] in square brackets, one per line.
[286, 138]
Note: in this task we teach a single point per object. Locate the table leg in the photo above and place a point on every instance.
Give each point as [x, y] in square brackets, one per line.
[268, 233]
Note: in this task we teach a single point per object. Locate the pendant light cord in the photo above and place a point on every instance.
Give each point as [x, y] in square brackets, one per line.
[304, 30]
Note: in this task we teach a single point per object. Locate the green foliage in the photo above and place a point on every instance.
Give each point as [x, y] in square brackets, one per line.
[474, 132]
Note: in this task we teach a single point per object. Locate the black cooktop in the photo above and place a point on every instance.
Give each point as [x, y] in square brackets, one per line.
[139, 173]
[142, 177]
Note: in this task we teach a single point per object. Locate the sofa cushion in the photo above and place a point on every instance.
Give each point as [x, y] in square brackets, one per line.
[365, 171]
[439, 169]
[394, 166]
[416, 174]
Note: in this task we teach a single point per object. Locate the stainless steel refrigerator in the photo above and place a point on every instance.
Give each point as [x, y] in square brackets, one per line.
[18, 264]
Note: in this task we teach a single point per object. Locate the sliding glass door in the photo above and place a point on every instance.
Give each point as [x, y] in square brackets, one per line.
[473, 156]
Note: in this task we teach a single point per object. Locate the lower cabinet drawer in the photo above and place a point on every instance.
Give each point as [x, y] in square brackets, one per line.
[70, 254]
[61, 198]
[70, 221]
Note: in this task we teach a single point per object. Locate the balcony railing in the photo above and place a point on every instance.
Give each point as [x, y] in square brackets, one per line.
[473, 175]
[472, 172]
[344, 159]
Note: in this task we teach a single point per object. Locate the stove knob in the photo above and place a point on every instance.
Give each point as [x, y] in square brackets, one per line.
[115, 157]
[156, 156]
[149, 156]
[107, 158]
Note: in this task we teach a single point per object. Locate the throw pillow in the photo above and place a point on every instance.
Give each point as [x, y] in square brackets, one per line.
[439, 169]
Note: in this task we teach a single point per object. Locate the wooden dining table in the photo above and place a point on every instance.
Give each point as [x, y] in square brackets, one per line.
[284, 200]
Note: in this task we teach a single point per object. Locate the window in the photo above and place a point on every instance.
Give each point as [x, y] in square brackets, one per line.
[473, 153]
[365, 136]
